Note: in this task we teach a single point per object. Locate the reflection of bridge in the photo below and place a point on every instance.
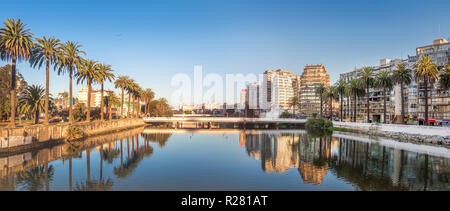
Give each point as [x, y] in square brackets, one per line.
[265, 122]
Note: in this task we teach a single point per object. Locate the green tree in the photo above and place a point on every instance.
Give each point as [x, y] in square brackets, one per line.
[368, 76]
[384, 80]
[340, 89]
[65, 96]
[110, 101]
[70, 61]
[32, 101]
[137, 94]
[331, 94]
[121, 82]
[427, 72]
[294, 102]
[105, 73]
[444, 78]
[130, 87]
[319, 91]
[356, 89]
[88, 73]
[15, 45]
[402, 76]
[45, 50]
[148, 96]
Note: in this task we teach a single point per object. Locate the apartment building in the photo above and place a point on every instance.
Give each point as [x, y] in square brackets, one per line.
[311, 78]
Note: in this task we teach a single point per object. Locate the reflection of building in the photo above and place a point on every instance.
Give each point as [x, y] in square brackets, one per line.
[311, 173]
[312, 77]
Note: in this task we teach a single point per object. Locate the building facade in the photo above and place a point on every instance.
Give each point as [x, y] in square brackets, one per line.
[311, 78]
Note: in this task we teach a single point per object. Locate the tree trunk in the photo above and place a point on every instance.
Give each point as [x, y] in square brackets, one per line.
[47, 87]
[384, 98]
[101, 104]
[110, 113]
[129, 106]
[13, 94]
[354, 109]
[368, 102]
[88, 115]
[70, 97]
[331, 109]
[348, 107]
[321, 106]
[426, 99]
[36, 117]
[402, 102]
[121, 108]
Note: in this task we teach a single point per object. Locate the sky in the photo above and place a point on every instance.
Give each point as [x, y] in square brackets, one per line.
[153, 40]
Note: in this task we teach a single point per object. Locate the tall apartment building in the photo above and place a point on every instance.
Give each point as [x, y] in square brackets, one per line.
[278, 87]
[439, 99]
[254, 95]
[376, 96]
[95, 96]
[311, 78]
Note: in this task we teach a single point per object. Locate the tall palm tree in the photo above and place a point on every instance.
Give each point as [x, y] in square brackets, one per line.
[105, 73]
[356, 88]
[130, 86]
[384, 80]
[148, 97]
[331, 94]
[319, 91]
[340, 89]
[368, 76]
[32, 101]
[426, 71]
[16, 43]
[121, 82]
[70, 61]
[402, 76]
[294, 102]
[88, 73]
[45, 50]
[137, 93]
[110, 101]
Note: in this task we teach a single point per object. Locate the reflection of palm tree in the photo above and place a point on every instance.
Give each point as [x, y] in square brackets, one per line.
[161, 139]
[133, 162]
[94, 185]
[35, 178]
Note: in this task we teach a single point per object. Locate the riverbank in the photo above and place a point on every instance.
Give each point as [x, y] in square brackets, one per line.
[403, 133]
[13, 140]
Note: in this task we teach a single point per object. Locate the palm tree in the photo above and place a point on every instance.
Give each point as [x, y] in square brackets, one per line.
[45, 50]
[110, 101]
[88, 73]
[356, 88]
[137, 93]
[105, 73]
[319, 91]
[331, 94]
[121, 82]
[69, 61]
[130, 86]
[426, 71]
[368, 76]
[384, 80]
[444, 78]
[402, 76]
[32, 101]
[340, 89]
[15, 45]
[294, 103]
[148, 96]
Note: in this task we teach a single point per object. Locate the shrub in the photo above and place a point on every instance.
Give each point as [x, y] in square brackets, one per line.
[318, 124]
[285, 114]
[74, 133]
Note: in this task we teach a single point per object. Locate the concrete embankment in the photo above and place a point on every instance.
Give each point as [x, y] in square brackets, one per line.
[31, 137]
[409, 133]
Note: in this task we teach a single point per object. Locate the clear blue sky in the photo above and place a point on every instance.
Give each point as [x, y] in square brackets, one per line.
[153, 40]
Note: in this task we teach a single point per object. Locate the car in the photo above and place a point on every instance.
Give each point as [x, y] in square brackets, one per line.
[54, 120]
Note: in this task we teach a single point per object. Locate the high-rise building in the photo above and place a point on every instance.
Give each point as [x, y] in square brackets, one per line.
[278, 87]
[254, 95]
[312, 77]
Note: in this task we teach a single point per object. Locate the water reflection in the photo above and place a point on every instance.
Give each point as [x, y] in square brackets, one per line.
[368, 166]
[126, 160]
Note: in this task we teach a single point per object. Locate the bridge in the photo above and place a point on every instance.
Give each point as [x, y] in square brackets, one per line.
[240, 121]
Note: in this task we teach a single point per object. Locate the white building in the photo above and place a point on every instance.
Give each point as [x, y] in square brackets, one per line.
[254, 95]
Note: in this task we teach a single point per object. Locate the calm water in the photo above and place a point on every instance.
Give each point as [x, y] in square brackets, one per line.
[147, 159]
